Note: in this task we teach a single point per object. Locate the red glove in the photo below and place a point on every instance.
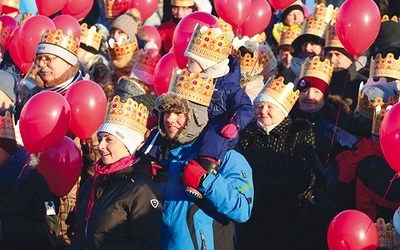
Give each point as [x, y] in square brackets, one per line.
[229, 131]
[192, 174]
[154, 168]
[151, 122]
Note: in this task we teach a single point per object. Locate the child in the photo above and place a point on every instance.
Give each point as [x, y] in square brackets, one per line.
[231, 109]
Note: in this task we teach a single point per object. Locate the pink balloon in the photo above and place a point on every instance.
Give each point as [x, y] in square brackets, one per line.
[61, 166]
[184, 30]
[352, 230]
[32, 31]
[234, 12]
[145, 7]
[49, 7]
[44, 121]
[77, 8]
[88, 104]
[357, 25]
[258, 20]
[281, 4]
[389, 137]
[154, 35]
[68, 24]
[163, 73]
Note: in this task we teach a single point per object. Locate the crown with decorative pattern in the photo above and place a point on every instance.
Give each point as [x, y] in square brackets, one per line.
[144, 68]
[126, 121]
[91, 37]
[192, 86]
[266, 58]
[115, 7]
[385, 233]
[316, 68]
[124, 54]
[288, 35]
[278, 93]
[208, 46]
[59, 44]
[373, 94]
[332, 40]
[5, 36]
[387, 66]
[7, 126]
[225, 27]
[249, 62]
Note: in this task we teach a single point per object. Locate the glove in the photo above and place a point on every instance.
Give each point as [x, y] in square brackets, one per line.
[193, 173]
[154, 168]
[229, 131]
[151, 122]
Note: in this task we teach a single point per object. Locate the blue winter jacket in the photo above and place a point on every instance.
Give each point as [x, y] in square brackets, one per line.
[193, 224]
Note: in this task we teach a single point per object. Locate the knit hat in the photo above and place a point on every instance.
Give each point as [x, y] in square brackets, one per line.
[316, 73]
[182, 3]
[388, 39]
[7, 134]
[282, 95]
[297, 5]
[191, 94]
[126, 23]
[8, 84]
[208, 46]
[64, 46]
[126, 121]
[332, 41]
[144, 68]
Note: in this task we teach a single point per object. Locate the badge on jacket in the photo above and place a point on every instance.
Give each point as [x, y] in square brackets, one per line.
[50, 208]
[154, 203]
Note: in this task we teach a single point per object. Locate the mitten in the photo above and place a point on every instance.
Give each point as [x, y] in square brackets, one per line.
[154, 168]
[229, 131]
[193, 173]
[151, 122]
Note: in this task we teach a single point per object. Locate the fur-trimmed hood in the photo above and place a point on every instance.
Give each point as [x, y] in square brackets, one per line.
[13, 171]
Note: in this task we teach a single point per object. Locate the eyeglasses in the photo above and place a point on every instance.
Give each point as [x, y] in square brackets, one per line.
[46, 59]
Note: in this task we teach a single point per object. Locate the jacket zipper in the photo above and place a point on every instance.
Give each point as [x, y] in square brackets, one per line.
[203, 240]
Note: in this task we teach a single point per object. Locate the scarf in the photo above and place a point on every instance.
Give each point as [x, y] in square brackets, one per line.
[101, 169]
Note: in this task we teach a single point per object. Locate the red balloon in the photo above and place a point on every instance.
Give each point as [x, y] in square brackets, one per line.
[44, 121]
[234, 12]
[153, 34]
[184, 30]
[389, 137]
[145, 7]
[68, 24]
[163, 73]
[49, 7]
[77, 8]
[61, 166]
[88, 104]
[352, 230]
[9, 24]
[259, 18]
[32, 31]
[357, 25]
[281, 4]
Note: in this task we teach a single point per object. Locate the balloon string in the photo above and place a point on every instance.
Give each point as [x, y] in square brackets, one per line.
[362, 66]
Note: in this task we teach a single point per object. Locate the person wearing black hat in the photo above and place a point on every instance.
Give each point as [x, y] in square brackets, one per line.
[388, 39]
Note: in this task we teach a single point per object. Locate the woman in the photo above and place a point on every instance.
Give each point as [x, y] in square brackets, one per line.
[28, 217]
[281, 153]
[120, 207]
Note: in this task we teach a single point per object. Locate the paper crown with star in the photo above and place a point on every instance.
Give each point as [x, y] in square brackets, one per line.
[65, 46]
[192, 86]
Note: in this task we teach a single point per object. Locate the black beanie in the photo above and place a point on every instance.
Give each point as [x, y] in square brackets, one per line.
[341, 50]
[289, 9]
[388, 38]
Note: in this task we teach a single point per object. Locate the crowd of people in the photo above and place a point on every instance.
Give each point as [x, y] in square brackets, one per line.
[257, 144]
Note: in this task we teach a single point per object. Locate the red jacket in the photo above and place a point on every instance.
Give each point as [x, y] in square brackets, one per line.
[166, 31]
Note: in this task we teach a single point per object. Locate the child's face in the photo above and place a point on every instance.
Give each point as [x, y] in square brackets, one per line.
[194, 66]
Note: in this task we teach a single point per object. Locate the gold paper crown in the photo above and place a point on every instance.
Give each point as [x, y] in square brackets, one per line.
[7, 126]
[385, 66]
[385, 233]
[288, 35]
[316, 24]
[366, 106]
[332, 40]
[125, 54]
[206, 43]
[248, 64]
[68, 42]
[225, 27]
[5, 36]
[130, 114]
[143, 70]
[326, 12]
[386, 18]
[283, 93]
[182, 3]
[266, 58]
[90, 37]
[192, 86]
[316, 68]
[114, 7]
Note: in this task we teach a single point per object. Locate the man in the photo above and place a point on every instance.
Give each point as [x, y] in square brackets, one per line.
[345, 78]
[227, 194]
[179, 10]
